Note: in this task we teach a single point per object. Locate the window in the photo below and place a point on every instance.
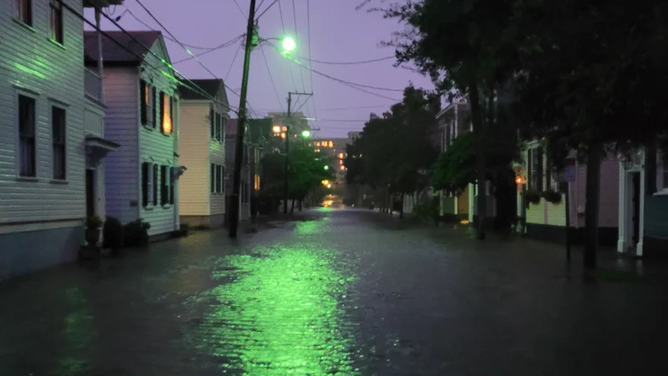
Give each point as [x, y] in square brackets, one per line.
[535, 162]
[27, 151]
[219, 179]
[23, 11]
[146, 180]
[164, 187]
[58, 142]
[213, 178]
[256, 183]
[212, 123]
[57, 21]
[172, 182]
[221, 127]
[147, 104]
[165, 113]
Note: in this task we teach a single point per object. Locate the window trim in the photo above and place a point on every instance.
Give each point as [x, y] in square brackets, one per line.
[64, 144]
[53, 10]
[148, 118]
[30, 14]
[164, 185]
[156, 171]
[17, 125]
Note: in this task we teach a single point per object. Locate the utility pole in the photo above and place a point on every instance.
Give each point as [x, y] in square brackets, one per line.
[241, 125]
[287, 150]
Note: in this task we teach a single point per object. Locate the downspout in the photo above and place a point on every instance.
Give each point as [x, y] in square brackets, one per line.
[100, 59]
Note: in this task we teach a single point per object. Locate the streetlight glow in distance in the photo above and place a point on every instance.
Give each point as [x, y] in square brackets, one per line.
[289, 44]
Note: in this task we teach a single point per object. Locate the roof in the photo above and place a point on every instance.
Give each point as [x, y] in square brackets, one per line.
[210, 87]
[112, 53]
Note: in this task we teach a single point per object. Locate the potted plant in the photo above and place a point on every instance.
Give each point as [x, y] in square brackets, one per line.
[136, 233]
[552, 196]
[93, 224]
[531, 196]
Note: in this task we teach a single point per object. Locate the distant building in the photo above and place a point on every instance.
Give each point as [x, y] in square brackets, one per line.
[335, 149]
[230, 153]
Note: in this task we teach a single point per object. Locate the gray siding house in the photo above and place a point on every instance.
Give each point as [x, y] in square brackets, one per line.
[142, 116]
[51, 134]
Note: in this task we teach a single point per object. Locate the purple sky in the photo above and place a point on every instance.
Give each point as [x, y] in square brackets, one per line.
[338, 31]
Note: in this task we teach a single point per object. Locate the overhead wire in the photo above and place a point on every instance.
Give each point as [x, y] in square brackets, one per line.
[241, 47]
[308, 31]
[271, 78]
[194, 86]
[240, 10]
[188, 51]
[294, 16]
[221, 46]
[348, 62]
[264, 11]
[280, 11]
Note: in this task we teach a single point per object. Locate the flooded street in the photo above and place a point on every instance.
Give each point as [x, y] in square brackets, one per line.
[345, 293]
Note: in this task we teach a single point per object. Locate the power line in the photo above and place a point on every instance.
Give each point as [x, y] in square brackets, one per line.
[348, 62]
[280, 11]
[188, 51]
[241, 46]
[240, 10]
[271, 78]
[265, 11]
[351, 108]
[195, 87]
[221, 46]
[308, 30]
[294, 16]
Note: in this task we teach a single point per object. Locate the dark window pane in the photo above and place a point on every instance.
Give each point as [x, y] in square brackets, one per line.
[155, 184]
[144, 184]
[58, 142]
[56, 21]
[213, 178]
[27, 136]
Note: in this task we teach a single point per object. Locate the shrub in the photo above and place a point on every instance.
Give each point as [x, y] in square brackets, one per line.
[532, 197]
[93, 222]
[185, 227]
[112, 233]
[136, 233]
[552, 196]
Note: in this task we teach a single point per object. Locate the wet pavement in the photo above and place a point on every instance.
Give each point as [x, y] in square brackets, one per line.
[350, 292]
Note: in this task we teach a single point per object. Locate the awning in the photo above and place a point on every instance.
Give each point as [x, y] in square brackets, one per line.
[97, 147]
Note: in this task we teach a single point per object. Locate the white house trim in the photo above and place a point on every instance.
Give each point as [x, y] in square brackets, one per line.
[625, 239]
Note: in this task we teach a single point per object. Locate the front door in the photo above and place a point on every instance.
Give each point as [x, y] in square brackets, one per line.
[90, 193]
[635, 208]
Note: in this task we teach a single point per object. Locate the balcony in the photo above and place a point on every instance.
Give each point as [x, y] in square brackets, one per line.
[93, 84]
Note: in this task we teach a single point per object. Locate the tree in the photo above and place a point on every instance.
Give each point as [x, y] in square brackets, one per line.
[465, 46]
[592, 80]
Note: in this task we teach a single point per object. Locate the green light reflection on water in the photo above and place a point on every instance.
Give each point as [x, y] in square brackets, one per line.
[281, 316]
[78, 331]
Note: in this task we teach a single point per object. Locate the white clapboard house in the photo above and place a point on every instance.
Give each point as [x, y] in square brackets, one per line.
[142, 115]
[52, 137]
[204, 113]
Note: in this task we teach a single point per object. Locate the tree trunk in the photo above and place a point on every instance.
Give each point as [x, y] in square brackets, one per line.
[478, 131]
[592, 205]
[401, 208]
[292, 207]
[301, 205]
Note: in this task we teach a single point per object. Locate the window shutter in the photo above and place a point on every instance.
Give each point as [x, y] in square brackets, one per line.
[142, 101]
[171, 185]
[153, 96]
[213, 178]
[155, 184]
[144, 184]
[212, 120]
[161, 109]
[164, 192]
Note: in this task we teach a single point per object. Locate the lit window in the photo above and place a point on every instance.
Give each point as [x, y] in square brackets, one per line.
[166, 114]
[57, 21]
[282, 135]
[257, 182]
[23, 11]
[147, 104]
[317, 143]
[340, 161]
[341, 155]
[331, 144]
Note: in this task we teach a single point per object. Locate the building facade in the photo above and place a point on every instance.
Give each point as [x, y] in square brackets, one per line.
[202, 150]
[142, 114]
[48, 127]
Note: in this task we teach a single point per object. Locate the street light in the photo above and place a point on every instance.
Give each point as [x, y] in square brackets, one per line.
[306, 134]
[326, 167]
[276, 129]
[288, 44]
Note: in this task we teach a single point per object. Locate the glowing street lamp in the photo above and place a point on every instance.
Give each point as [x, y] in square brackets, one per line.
[306, 134]
[288, 44]
[326, 167]
[276, 129]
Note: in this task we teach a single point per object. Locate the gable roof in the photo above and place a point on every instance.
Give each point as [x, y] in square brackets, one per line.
[112, 53]
[211, 87]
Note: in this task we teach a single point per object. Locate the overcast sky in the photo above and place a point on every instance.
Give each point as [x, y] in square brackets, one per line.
[339, 33]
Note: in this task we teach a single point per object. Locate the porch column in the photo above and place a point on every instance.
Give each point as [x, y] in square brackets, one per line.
[623, 209]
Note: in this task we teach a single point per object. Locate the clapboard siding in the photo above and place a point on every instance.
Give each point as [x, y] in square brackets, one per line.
[155, 146]
[194, 138]
[121, 89]
[656, 217]
[217, 156]
[609, 194]
[54, 75]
